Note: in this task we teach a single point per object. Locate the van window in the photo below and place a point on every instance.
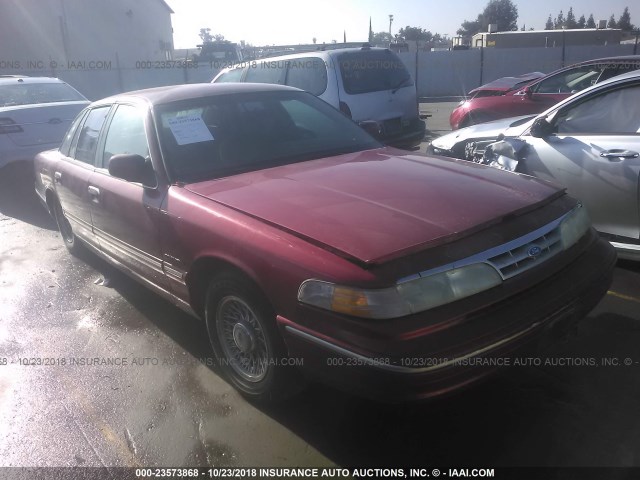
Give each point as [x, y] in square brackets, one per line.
[309, 74]
[372, 71]
[268, 71]
[231, 76]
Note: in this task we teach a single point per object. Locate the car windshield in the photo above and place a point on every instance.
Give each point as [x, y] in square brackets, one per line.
[372, 71]
[218, 136]
[31, 93]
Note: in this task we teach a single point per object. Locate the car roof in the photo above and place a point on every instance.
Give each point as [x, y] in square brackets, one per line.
[13, 79]
[621, 59]
[174, 93]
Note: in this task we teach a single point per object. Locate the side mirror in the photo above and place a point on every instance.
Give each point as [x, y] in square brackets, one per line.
[371, 127]
[528, 92]
[129, 167]
[541, 128]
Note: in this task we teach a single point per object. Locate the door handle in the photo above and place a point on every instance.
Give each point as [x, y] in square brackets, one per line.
[93, 191]
[619, 153]
[57, 176]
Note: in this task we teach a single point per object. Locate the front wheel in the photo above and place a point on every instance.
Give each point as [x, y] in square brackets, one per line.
[246, 342]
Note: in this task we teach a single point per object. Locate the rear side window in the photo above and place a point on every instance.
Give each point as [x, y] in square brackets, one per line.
[309, 74]
[269, 71]
[88, 138]
[372, 71]
[66, 142]
[231, 76]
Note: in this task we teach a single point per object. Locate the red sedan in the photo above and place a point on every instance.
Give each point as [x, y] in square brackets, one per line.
[526, 95]
[308, 247]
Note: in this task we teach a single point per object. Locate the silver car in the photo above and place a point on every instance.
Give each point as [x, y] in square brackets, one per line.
[590, 143]
[35, 113]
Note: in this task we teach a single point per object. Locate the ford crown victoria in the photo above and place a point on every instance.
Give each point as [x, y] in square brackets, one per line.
[296, 235]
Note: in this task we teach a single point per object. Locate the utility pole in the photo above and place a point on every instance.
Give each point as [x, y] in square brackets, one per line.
[390, 22]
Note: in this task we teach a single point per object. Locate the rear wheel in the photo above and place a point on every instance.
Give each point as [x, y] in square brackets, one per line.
[246, 342]
[74, 246]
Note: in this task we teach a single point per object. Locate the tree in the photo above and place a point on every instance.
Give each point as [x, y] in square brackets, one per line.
[591, 23]
[570, 22]
[501, 12]
[470, 28]
[612, 22]
[624, 23]
[205, 35]
[559, 21]
[415, 33]
[381, 39]
[582, 22]
[549, 24]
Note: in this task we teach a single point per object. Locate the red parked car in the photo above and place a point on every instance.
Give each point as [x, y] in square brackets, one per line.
[512, 97]
[308, 247]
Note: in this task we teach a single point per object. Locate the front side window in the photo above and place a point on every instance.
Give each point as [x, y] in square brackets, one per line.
[218, 136]
[607, 113]
[372, 71]
[88, 138]
[126, 134]
[570, 81]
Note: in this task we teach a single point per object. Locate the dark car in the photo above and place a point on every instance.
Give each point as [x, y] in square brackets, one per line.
[307, 246]
[532, 97]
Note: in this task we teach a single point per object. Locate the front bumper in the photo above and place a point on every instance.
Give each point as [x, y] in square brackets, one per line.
[402, 370]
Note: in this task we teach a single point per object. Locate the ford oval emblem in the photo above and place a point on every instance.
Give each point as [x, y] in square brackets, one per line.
[534, 251]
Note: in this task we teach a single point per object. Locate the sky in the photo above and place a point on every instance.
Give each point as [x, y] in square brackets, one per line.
[283, 22]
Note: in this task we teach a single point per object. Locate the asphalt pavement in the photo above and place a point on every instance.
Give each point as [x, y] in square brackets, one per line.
[95, 370]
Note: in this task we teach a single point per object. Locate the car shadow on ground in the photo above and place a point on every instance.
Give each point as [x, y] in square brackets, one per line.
[18, 198]
[536, 415]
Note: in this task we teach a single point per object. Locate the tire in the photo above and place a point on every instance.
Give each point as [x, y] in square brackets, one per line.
[246, 341]
[74, 246]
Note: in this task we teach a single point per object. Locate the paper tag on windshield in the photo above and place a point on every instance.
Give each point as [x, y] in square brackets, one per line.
[189, 129]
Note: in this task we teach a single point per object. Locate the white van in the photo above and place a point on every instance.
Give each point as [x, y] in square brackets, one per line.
[366, 84]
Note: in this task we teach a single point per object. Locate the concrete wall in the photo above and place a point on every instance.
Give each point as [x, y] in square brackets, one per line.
[454, 73]
[438, 74]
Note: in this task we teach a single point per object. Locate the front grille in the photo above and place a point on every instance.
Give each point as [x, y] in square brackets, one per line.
[527, 255]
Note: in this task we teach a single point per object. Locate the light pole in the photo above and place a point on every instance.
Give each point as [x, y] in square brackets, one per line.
[390, 22]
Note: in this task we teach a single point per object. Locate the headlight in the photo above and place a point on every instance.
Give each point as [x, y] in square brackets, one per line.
[574, 226]
[404, 298]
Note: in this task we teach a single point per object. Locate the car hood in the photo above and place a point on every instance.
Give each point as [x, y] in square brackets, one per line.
[510, 127]
[376, 205]
[505, 84]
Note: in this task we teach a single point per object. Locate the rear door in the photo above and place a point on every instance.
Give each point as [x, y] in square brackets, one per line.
[595, 153]
[71, 174]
